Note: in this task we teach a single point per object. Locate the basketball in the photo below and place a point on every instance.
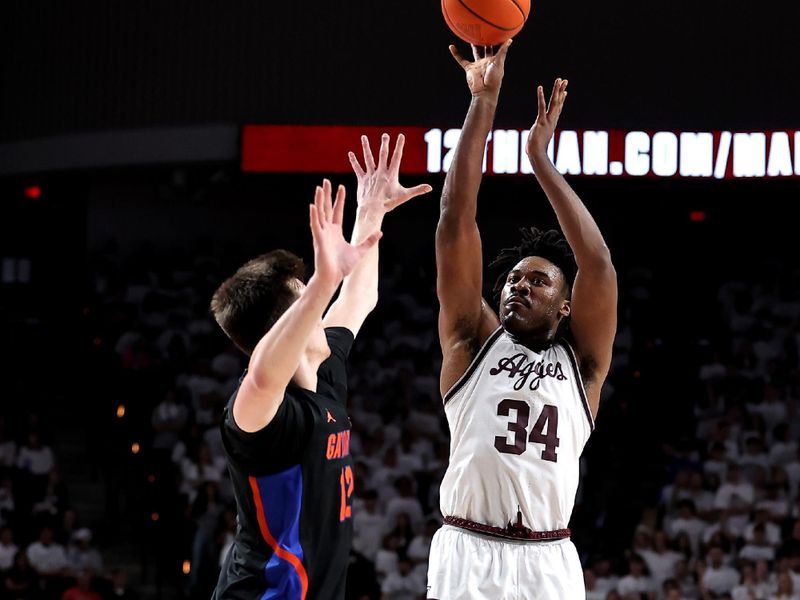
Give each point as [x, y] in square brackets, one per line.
[485, 22]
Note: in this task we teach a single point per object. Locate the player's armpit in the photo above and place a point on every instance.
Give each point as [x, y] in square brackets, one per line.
[254, 407]
[461, 342]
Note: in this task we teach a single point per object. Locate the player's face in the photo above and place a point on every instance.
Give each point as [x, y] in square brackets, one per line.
[533, 299]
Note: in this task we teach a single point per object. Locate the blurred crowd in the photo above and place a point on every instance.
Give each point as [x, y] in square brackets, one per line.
[726, 524]
[46, 553]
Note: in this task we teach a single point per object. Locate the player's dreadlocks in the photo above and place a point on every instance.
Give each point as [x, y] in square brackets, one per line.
[550, 245]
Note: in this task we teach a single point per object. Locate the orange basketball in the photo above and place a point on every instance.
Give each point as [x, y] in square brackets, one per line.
[485, 22]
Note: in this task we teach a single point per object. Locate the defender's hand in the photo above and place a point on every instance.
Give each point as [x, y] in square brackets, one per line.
[379, 184]
[546, 119]
[484, 75]
[334, 257]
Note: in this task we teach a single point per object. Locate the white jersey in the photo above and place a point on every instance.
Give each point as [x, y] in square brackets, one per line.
[518, 420]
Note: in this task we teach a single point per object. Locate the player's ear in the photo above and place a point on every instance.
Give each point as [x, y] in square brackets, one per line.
[566, 309]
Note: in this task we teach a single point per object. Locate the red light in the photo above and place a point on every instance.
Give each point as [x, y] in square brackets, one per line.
[33, 192]
[697, 216]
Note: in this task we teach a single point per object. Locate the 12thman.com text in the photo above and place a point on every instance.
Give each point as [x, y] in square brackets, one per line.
[720, 154]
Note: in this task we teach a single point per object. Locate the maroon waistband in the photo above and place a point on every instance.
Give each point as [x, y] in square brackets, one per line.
[511, 531]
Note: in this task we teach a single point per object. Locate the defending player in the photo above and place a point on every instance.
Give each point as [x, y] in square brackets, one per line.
[286, 431]
[520, 399]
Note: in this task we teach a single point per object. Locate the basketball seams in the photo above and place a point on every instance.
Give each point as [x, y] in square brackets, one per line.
[524, 16]
[488, 22]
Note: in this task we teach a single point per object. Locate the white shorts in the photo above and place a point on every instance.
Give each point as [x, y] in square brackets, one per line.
[468, 565]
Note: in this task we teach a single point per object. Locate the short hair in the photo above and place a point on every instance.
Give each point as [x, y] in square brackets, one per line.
[550, 245]
[250, 301]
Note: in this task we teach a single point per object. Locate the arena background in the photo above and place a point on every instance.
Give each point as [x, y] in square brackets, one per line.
[120, 136]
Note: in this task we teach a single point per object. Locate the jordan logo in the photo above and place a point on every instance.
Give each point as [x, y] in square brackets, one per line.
[330, 416]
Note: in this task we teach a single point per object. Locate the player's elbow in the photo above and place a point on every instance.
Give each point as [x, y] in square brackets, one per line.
[599, 261]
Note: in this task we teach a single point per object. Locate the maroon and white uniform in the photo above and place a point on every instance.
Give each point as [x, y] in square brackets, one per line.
[519, 421]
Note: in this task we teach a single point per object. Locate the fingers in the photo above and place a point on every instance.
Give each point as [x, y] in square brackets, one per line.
[327, 208]
[558, 97]
[383, 153]
[338, 206]
[397, 155]
[356, 167]
[554, 95]
[369, 160]
[407, 195]
[500, 58]
[476, 54]
[542, 106]
[317, 223]
[458, 58]
[312, 219]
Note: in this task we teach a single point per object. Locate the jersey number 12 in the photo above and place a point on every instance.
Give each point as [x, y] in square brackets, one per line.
[347, 483]
[548, 419]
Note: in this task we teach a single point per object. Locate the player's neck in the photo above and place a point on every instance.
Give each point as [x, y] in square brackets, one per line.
[537, 342]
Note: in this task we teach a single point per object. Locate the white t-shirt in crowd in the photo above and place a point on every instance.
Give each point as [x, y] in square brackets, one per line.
[47, 559]
[721, 580]
[37, 462]
[410, 506]
[734, 495]
[635, 585]
[7, 554]
[419, 548]
[692, 527]
[661, 565]
[755, 553]
[772, 531]
[402, 587]
[368, 532]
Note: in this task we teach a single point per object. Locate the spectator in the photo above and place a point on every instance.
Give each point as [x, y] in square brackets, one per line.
[420, 546]
[82, 590]
[8, 549]
[8, 503]
[749, 587]
[735, 497]
[689, 523]
[47, 557]
[717, 577]
[785, 588]
[8, 449]
[402, 584]
[369, 525]
[21, 581]
[637, 580]
[119, 590]
[660, 560]
[82, 557]
[52, 500]
[405, 502]
[590, 582]
[168, 420]
[35, 458]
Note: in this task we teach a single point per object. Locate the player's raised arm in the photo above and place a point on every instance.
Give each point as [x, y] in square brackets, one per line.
[379, 191]
[465, 320]
[278, 354]
[594, 297]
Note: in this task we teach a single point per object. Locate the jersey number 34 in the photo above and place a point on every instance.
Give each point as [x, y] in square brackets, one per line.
[548, 419]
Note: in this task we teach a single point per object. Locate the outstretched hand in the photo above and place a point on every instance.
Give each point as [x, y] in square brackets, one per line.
[547, 118]
[379, 183]
[334, 257]
[484, 75]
